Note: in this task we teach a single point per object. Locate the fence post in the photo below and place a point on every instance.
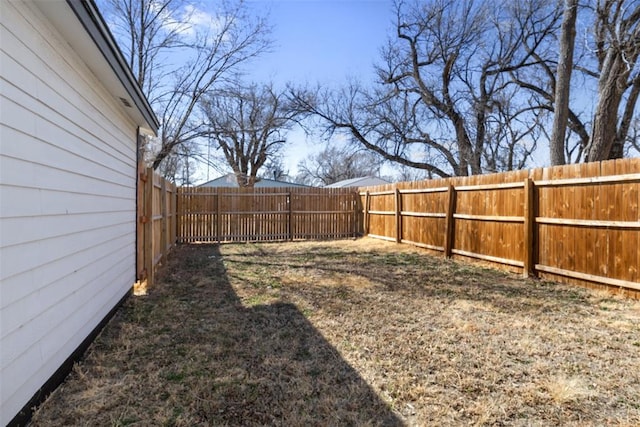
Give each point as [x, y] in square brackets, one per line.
[177, 218]
[218, 215]
[529, 228]
[290, 215]
[398, 203]
[140, 223]
[174, 213]
[449, 226]
[356, 213]
[164, 234]
[148, 227]
[366, 213]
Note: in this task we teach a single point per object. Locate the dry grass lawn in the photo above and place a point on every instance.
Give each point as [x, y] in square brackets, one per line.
[354, 333]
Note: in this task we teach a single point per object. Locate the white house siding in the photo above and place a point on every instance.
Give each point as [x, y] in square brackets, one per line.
[67, 203]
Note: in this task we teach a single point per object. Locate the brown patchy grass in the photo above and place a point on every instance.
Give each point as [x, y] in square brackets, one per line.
[354, 333]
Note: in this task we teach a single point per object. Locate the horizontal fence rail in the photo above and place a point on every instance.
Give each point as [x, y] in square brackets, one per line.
[266, 214]
[578, 224]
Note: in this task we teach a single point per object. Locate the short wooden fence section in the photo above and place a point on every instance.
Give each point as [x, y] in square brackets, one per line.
[266, 214]
[156, 231]
[577, 224]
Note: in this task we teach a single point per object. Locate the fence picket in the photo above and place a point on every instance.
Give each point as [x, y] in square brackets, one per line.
[578, 224]
[268, 214]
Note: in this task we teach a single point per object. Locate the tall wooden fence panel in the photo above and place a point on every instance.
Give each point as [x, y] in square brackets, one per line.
[266, 214]
[577, 224]
[157, 222]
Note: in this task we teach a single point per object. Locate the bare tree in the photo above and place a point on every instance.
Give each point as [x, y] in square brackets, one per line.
[514, 136]
[633, 139]
[539, 22]
[337, 163]
[274, 168]
[248, 125]
[181, 166]
[179, 52]
[405, 173]
[605, 67]
[617, 48]
[443, 92]
[563, 82]
[146, 31]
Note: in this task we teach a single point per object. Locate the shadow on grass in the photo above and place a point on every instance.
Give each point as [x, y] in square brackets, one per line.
[258, 365]
[425, 276]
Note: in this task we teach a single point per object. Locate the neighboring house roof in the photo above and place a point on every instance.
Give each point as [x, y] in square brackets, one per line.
[107, 61]
[363, 181]
[229, 180]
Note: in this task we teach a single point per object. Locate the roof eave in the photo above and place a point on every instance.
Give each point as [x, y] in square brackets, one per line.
[91, 19]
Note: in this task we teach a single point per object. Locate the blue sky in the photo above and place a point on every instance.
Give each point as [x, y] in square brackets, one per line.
[323, 41]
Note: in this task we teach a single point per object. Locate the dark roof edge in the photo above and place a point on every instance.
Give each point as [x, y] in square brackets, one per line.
[88, 14]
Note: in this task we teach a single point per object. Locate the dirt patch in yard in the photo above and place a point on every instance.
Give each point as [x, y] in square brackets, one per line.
[358, 332]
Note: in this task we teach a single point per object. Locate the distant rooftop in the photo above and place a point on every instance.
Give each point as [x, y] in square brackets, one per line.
[229, 180]
[364, 181]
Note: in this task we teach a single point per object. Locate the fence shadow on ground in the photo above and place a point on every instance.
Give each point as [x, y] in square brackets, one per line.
[265, 364]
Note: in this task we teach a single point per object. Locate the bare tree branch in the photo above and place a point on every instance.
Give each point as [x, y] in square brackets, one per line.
[248, 125]
[177, 61]
[337, 163]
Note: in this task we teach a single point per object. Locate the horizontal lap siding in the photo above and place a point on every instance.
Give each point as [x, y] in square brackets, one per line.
[68, 171]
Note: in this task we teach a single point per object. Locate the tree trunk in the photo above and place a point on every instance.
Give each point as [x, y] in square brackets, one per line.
[617, 150]
[610, 89]
[563, 83]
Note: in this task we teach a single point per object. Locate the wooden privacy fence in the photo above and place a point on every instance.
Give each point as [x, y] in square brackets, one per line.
[578, 223]
[266, 214]
[157, 218]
